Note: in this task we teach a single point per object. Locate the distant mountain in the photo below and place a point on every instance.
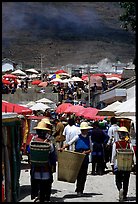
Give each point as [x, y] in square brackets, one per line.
[64, 33]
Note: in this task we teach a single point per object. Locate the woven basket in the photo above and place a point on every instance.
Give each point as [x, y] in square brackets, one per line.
[69, 164]
[124, 159]
[39, 152]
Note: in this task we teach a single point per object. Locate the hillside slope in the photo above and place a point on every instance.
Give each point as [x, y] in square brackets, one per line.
[64, 33]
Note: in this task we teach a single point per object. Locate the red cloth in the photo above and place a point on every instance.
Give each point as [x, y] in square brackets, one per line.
[123, 144]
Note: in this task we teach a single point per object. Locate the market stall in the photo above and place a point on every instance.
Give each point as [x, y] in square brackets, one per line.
[11, 160]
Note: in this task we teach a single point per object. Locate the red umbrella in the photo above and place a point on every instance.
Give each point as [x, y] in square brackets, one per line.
[11, 76]
[90, 113]
[4, 81]
[60, 71]
[61, 108]
[74, 109]
[43, 84]
[15, 108]
[36, 82]
[86, 111]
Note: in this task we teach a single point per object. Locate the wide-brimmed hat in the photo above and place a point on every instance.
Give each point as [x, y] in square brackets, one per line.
[41, 126]
[123, 129]
[84, 126]
[46, 120]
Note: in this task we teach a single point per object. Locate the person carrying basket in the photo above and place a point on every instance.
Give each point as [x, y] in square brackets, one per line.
[43, 163]
[122, 160]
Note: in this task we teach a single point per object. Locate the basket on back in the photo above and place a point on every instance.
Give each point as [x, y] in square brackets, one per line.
[39, 152]
[69, 164]
[124, 159]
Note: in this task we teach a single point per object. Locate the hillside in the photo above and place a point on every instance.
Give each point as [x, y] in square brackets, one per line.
[64, 33]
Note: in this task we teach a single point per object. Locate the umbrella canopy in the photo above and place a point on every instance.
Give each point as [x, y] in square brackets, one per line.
[127, 108]
[97, 80]
[32, 71]
[90, 113]
[74, 109]
[44, 100]
[36, 82]
[4, 81]
[60, 71]
[19, 72]
[56, 80]
[15, 108]
[39, 106]
[110, 109]
[76, 79]
[43, 84]
[31, 103]
[61, 108]
[10, 76]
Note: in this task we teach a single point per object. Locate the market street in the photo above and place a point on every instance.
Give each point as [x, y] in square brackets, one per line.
[97, 188]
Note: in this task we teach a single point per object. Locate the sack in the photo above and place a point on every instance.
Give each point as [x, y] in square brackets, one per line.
[124, 159]
[60, 138]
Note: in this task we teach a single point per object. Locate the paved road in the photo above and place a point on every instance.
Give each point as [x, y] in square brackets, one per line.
[97, 188]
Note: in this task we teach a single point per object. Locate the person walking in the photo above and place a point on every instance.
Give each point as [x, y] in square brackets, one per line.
[113, 136]
[70, 131]
[82, 145]
[58, 133]
[99, 138]
[121, 176]
[42, 173]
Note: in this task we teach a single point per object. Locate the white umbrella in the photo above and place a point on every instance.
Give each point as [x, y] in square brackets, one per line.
[127, 108]
[110, 109]
[66, 80]
[31, 103]
[19, 72]
[44, 100]
[32, 70]
[76, 79]
[56, 80]
[39, 106]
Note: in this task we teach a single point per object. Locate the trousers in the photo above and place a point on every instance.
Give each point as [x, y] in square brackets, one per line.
[122, 181]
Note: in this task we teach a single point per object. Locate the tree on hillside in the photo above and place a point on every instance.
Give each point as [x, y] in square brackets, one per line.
[128, 17]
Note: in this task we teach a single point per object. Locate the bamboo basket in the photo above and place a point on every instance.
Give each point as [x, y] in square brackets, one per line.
[39, 152]
[124, 159]
[69, 164]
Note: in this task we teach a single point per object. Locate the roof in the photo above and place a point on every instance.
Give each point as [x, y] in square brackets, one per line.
[128, 73]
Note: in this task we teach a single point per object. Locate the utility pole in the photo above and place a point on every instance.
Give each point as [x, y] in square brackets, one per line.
[41, 65]
[89, 93]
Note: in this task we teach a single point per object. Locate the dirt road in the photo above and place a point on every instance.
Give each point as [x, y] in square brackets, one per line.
[97, 188]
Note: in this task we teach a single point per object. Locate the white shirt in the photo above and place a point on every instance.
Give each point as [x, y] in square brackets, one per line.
[70, 132]
[113, 133]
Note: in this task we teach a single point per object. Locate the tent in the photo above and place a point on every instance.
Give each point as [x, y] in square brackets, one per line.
[44, 100]
[15, 108]
[39, 106]
[110, 109]
[127, 108]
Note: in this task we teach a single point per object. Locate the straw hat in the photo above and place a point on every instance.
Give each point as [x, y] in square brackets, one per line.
[46, 120]
[84, 126]
[123, 129]
[41, 126]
